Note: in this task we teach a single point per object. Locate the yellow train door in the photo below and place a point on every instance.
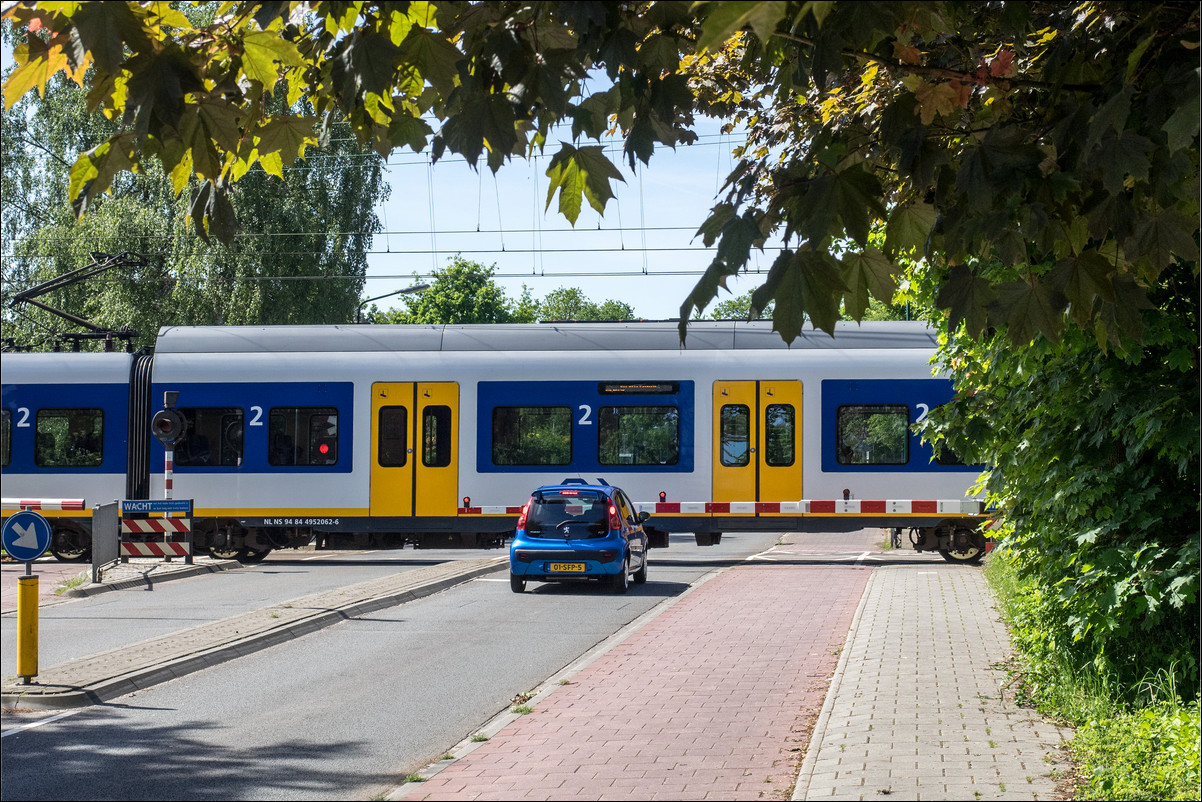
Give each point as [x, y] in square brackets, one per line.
[415, 449]
[757, 453]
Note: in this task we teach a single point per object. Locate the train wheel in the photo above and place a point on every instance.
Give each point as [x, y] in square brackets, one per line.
[224, 551]
[71, 545]
[967, 547]
[251, 556]
[516, 583]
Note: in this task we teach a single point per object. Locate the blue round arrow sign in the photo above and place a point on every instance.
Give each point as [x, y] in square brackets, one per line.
[26, 535]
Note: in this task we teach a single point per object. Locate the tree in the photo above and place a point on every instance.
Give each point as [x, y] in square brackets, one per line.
[301, 260]
[569, 303]
[1041, 156]
[463, 292]
[737, 308]
[1094, 457]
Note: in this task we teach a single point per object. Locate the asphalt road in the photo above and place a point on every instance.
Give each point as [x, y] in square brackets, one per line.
[344, 713]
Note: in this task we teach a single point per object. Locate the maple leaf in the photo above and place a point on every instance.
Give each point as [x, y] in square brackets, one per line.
[577, 172]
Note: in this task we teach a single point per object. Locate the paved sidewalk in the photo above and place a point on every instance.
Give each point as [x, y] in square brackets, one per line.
[130, 668]
[719, 697]
[916, 709]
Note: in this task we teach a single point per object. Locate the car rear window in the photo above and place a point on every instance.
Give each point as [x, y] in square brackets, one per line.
[568, 513]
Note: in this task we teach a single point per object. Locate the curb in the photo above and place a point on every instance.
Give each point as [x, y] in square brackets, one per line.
[94, 588]
[59, 696]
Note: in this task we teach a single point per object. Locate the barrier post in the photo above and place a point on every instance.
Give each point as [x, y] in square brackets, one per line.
[27, 625]
[168, 479]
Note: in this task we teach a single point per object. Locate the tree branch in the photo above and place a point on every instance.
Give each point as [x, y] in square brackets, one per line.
[941, 72]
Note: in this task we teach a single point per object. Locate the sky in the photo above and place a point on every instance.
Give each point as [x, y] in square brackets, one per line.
[642, 251]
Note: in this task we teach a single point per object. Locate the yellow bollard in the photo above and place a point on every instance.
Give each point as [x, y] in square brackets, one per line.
[27, 627]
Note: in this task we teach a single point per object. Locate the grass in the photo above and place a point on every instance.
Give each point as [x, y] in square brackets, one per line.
[479, 738]
[414, 778]
[521, 709]
[73, 582]
[1130, 743]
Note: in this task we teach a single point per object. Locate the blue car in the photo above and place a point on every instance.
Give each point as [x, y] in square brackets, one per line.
[574, 531]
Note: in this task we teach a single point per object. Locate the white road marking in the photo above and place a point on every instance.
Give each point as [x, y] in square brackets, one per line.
[33, 724]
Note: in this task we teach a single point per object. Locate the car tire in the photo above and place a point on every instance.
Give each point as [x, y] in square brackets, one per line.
[516, 583]
[621, 580]
[640, 576]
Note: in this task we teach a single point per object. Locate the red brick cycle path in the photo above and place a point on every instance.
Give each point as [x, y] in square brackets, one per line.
[713, 699]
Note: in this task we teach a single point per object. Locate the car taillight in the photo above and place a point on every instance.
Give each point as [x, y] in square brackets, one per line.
[614, 521]
[525, 514]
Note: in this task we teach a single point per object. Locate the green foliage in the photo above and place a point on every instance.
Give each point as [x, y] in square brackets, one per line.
[979, 139]
[737, 308]
[1136, 742]
[569, 303]
[1094, 464]
[465, 292]
[315, 222]
[1040, 134]
[1149, 754]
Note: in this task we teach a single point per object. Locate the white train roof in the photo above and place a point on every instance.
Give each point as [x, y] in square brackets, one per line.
[66, 367]
[620, 336]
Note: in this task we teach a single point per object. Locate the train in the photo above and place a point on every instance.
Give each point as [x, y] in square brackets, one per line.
[434, 435]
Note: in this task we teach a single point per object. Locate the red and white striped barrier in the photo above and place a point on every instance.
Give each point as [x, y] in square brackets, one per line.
[155, 549]
[495, 510]
[161, 529]
[155, 526]
[803, 507]
[42, 504]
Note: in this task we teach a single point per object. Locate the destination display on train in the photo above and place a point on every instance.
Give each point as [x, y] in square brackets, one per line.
[638, 388]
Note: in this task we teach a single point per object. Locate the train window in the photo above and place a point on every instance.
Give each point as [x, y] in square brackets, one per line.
[779, 435]
[532, 435]
[736, 434]
[6, 438]
[212, 436]
[393, 435]
[302, 436]
[873, 434]
[436, 436]
[637, 435]
[69, 438]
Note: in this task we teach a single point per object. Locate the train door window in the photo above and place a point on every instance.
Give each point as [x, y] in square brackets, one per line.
[436, 436]
[304, 436]
[637, 435]
[531, 435]
[393, 435]
[779, 435]
[6, 438]
[736, 434]
[873, 434]
[212, 437]
[69, 438]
